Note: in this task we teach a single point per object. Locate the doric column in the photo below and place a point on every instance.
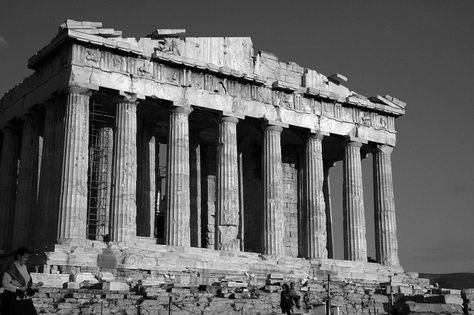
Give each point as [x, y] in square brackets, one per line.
[328, 207]
[178, 192]
[106, 145]
[314, 199]
[124, 172]
[50, 175]
[228, 203]
[273, 219]
[386, 243]
[75, 152]
[355, 247]
[8, 179]
[25, 204]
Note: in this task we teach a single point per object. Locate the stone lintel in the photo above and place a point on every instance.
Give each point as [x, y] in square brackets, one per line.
[76, 89]
[232, 114]
[355, 139]
[319, 132]
[132, 96]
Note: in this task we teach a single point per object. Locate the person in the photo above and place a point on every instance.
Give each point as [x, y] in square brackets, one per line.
[294, 296]
[286, 302]
[18, 287]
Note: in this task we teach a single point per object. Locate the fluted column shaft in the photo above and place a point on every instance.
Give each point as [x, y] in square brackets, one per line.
[273, 219]
[124, 172]
[25, 204]
[355, 246]
[227, 186]
[178, 192]
[50, 175]
[8, 178]
[315, 207]
[328, 207]
[75, 151]
[386, 243]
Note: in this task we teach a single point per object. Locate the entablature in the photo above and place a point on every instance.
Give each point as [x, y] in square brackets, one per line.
[262, 88]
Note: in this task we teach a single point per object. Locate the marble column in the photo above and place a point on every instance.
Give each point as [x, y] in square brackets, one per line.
[355, 246]
[123, 208]
[75, 152]
[228, 201]
[328, 207]
[25, 204]
[106, 145]
[314, 199]
[50, 171]
[273, 218]
[386, 243]
[178, 191]
[8, 183]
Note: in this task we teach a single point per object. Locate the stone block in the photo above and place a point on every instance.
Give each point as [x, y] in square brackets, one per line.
[86, 277]
[106, 276]
[423, 308]
[73, 285]
[50, 280]
[445, 298]
[115, 286]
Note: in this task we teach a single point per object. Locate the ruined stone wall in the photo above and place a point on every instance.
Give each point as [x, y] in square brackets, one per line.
[222, 297]
[290, 168]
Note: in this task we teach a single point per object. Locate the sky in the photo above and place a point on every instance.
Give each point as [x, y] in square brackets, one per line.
[421, 52]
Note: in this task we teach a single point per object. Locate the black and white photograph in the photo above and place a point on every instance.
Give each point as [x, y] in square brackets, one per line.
[236, 157]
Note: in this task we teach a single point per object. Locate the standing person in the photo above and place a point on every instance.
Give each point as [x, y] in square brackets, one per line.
[16, 298]
[294, 296]
[286, 302]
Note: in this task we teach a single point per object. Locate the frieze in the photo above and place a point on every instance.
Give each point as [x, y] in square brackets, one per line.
[282, 99]
[215, 84]
[229, 83]
[116, 63]
[171, 75]
[328, 109]
[365, 119]
[92, 57]
[196, 80]
[144, 68]
[337, 111]
[131, 65]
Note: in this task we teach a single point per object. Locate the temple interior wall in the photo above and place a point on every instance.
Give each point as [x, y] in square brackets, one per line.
[291, 201]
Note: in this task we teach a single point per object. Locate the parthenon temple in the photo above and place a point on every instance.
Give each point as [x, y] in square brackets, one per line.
[170, 152]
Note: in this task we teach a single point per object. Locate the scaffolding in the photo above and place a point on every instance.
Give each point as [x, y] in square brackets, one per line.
[99, 172]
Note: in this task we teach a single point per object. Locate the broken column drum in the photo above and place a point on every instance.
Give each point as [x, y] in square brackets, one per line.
[206, 144]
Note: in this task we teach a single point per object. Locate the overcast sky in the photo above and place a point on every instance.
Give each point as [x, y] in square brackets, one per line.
[419, 51]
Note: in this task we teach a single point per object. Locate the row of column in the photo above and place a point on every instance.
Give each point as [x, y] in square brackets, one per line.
[70, 135]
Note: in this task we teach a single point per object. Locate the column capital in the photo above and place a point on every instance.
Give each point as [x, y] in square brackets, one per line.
[77, 90]
[273, 125]
[316, 136]
[383, 148]
[232, 119]
[127, 98]
[11, 128]
[186, 110]
[31, 114]
[351, 143]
